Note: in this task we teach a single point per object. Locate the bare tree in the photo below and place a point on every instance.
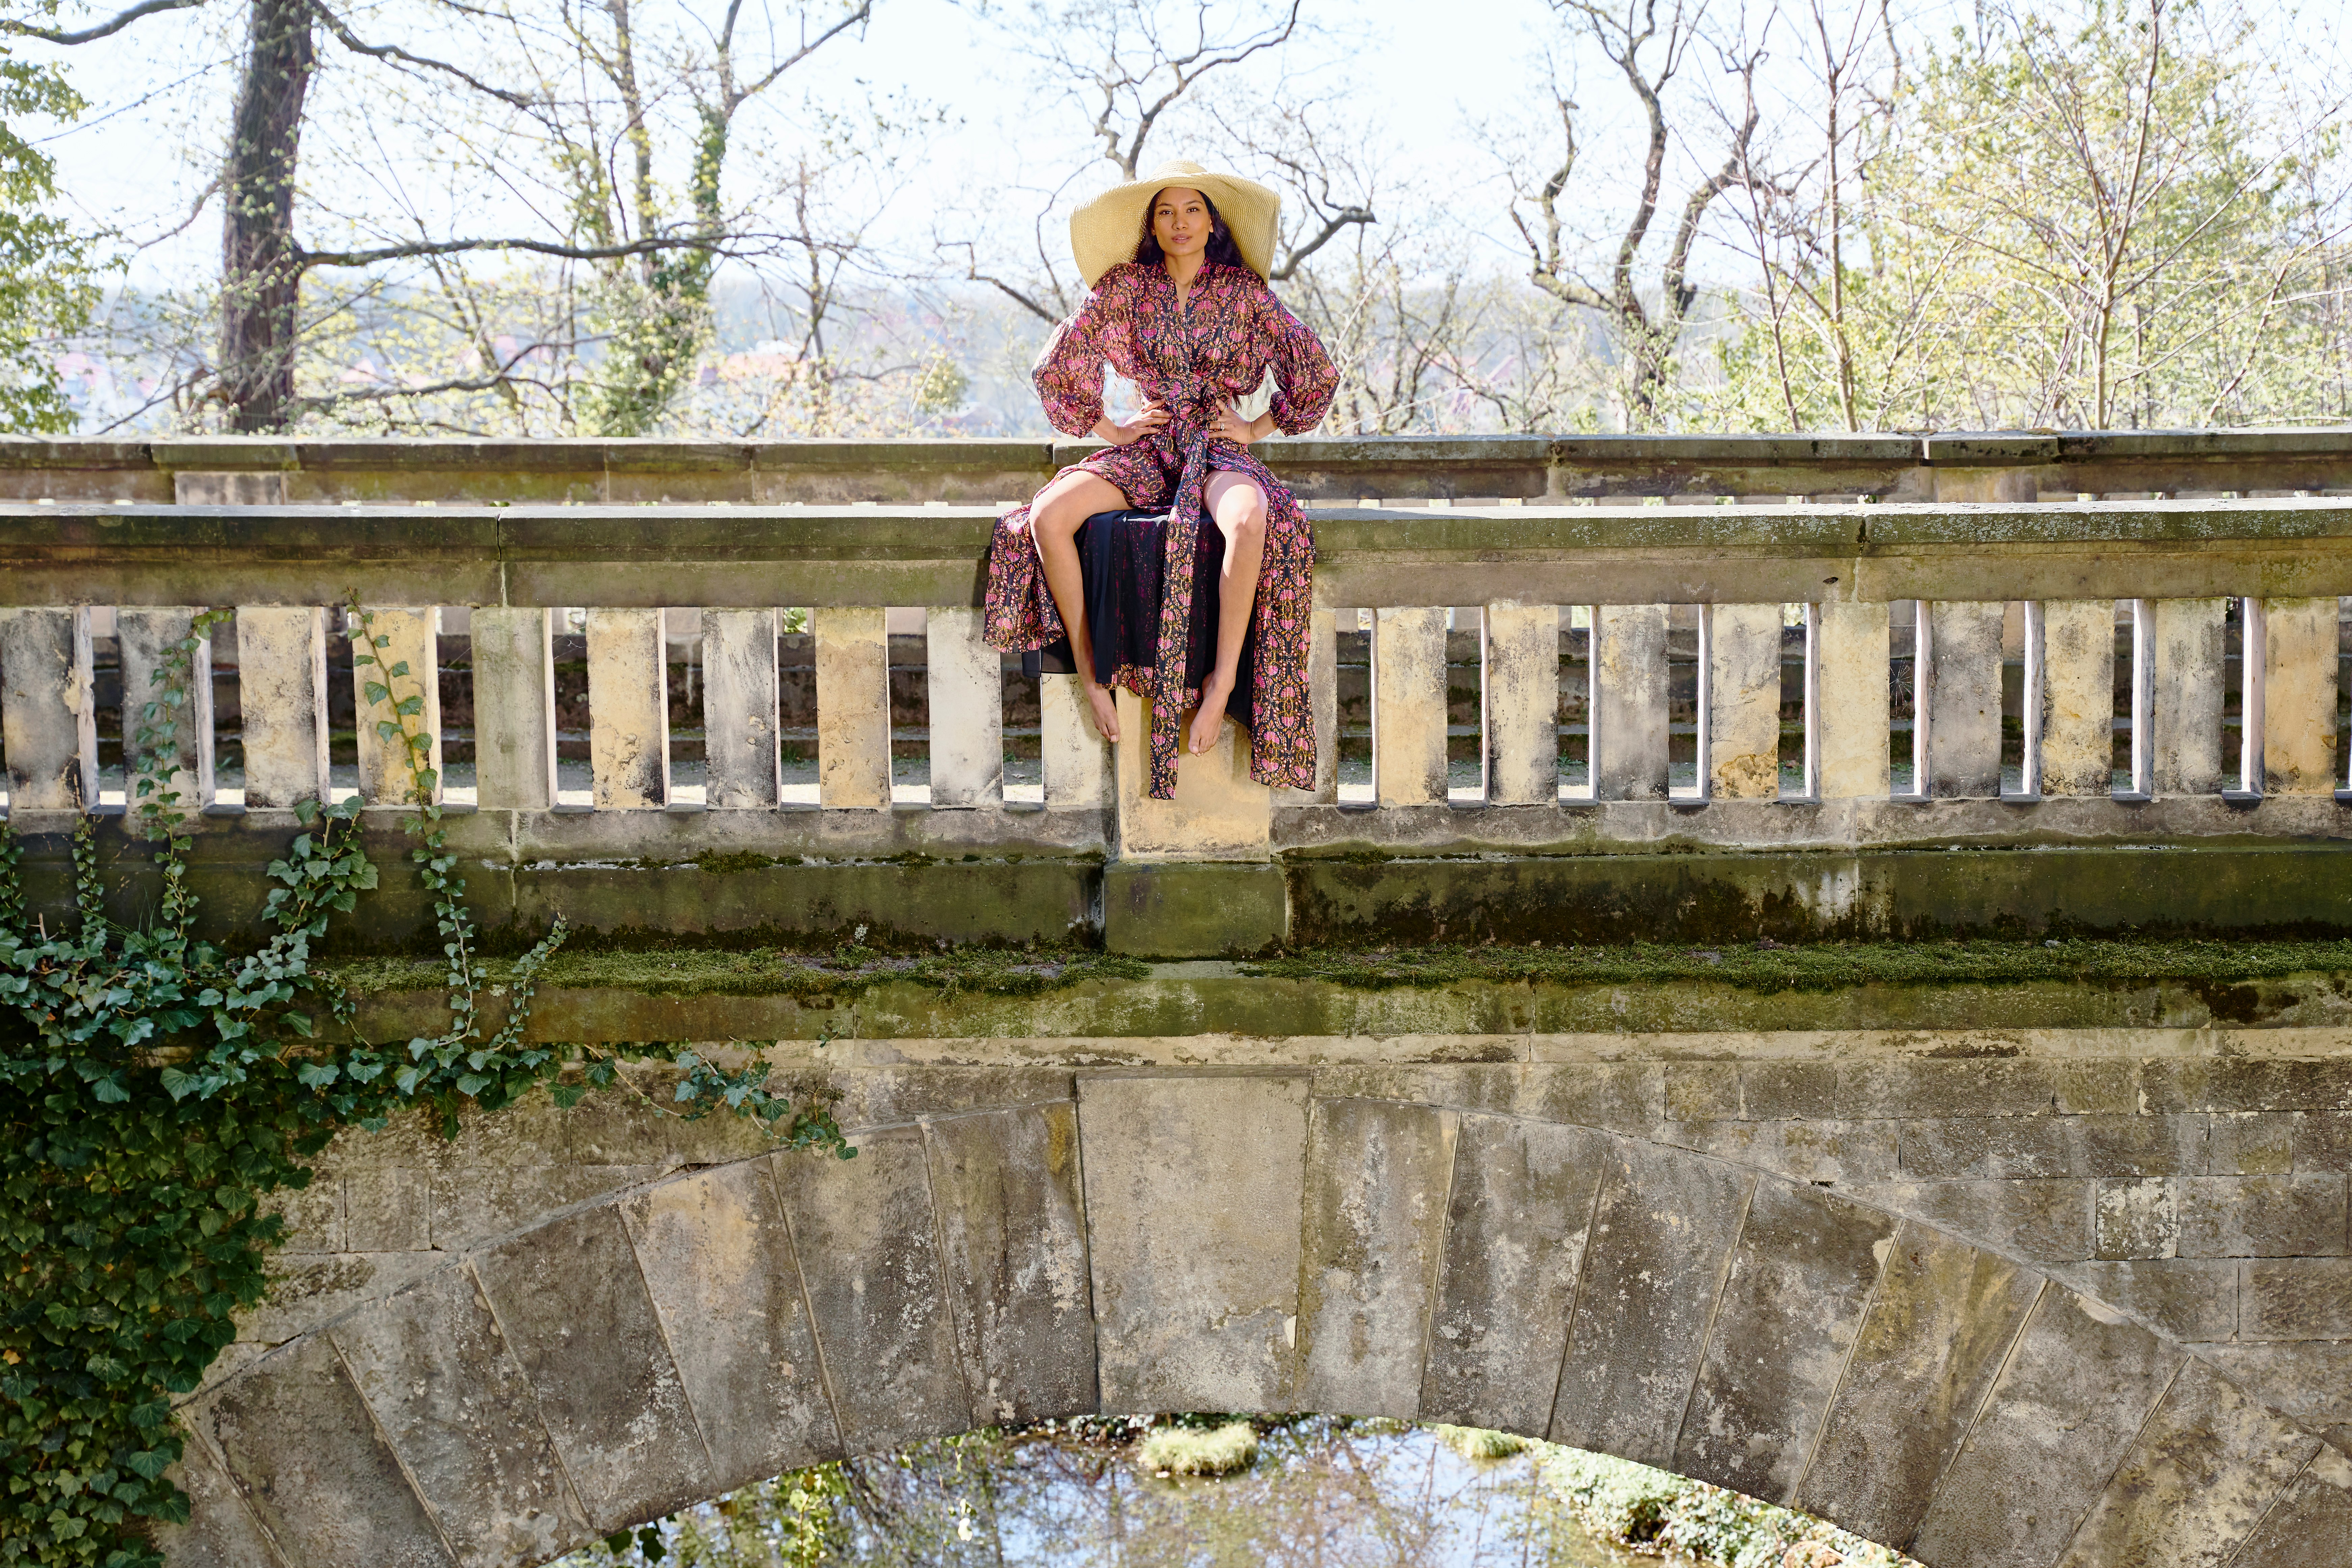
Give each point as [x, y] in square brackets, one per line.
[1130, 68]
[1649, 49]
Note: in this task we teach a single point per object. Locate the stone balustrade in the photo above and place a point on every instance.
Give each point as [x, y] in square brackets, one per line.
[1807, 690]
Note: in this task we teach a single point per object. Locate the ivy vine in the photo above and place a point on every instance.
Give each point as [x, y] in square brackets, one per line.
[156, 1087]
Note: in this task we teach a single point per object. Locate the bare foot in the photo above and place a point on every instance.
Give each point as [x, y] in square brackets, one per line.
[1106, 711]
[1209, 718]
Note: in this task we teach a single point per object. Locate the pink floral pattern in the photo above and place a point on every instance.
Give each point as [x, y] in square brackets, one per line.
[1231, 332]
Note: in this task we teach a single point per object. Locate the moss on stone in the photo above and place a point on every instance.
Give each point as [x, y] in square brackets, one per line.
[772, 972]
[1817, 966]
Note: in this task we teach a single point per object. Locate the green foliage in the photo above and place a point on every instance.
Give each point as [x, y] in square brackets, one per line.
[155, 1089]
[48, 286]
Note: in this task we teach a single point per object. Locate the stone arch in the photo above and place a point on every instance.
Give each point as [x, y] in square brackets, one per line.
[1254, 1241]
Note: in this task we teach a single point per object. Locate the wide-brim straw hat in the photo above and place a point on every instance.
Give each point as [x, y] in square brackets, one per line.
[1105, 231]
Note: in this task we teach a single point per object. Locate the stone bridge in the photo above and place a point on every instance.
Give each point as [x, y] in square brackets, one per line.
[2031, 1266]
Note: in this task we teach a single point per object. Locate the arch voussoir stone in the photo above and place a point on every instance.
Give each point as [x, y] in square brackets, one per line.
[1251, 1240]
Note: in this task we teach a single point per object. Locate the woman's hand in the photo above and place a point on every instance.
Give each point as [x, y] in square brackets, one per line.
[1150, 418]
[1232, 427]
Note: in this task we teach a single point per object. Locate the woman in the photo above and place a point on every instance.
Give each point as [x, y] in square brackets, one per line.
[1213, 619]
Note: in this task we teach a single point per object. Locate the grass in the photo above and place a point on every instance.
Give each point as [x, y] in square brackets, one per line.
[1192, 1451]
[774, 972]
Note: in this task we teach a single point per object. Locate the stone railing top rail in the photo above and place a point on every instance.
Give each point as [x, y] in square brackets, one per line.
[1961, 466]
[813, 557]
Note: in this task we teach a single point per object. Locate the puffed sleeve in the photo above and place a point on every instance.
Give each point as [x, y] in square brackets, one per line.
[1304, 377]
[1069, 373]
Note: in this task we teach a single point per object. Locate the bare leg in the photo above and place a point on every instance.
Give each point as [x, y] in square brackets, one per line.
[1239, 508]
[1054, 520]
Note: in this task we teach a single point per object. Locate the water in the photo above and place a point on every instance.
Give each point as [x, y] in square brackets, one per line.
[1321, 1494]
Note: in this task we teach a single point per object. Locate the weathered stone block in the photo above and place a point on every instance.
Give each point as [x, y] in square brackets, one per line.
[1702, 1091]
[473, 1207]
[1012, 1240]
[313, 1215]
[2246, 1084]
[2065, 1412]
[1852, 648]
[2262, 1216]
[571, 1301]
[514, 708]
[2048, 1221]
[867, 1240]
[281, 677]
[1520, 687]
[1661, 1235]
[1375, 1215]
[2252, 1143]
[2182, 641]
[1408, 707]
[2190, 1298]
[2137, 1218]
[2202, 1473]
[2310, 1526]
[334, 1496]
[1516, 1220]
[1819, 1152]
[1628, 707]
[719, 1268]
[1075, 759]
[2008, 1146]
[306, 1290]
[1959, 721]
[2078, 695]
[2293, 1299]
[1620, 1097]
[146, 636]
[408, 666]
[48, 714]
[853, 707]
[1194, 910]
[1193, 1189]
[2298, 694]
[387, 1208]
[1743, 712]
[1931, 1344]
[628, 710]
[1850, 1090]
[456, 1408]
[741, 746]
[220, 1531]
[1802, 1273]
[966, 710]
[1218, 812]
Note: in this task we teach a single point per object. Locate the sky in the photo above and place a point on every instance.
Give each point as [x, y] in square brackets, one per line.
[1424, 70]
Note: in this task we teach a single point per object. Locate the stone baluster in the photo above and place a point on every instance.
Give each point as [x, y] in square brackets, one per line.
[48, 719]
[1323, 701]
[628, 710]
[1955, 676]
[1077, 759]
[2070, 652]
[1521, 666]
[282, 687]
[1408, 707]
[1629, 702]
[741, 743]
[146, 635]
[514, 708]
[2291, 696]
[2178, 681]
[411, 637]
[853, 708]
[1743, 703]
[967, 709]
[1847, 715]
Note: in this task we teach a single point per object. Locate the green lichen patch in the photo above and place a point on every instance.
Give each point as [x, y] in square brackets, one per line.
[777, 972]
[1817, 966]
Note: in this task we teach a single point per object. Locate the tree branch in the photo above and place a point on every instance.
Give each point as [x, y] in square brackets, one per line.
[105, 30]
[307, 259]
[344, 36]
[1345, 218]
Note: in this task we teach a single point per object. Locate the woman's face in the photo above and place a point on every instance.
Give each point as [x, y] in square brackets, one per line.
[1179, 222]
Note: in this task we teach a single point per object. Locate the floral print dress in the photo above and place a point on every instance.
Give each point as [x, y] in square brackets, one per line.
[1218, 348]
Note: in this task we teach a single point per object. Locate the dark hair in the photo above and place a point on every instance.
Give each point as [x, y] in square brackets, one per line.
[1221, 247]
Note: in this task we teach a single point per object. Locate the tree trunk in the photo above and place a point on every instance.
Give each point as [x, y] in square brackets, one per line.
[260, 269]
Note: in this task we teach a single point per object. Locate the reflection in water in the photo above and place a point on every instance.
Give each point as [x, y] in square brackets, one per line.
[1320, 1491]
